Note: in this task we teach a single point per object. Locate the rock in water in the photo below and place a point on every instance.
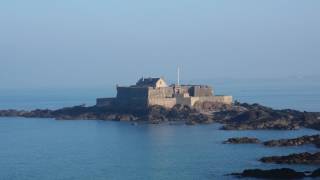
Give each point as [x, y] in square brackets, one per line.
[255, 116]
[284, 173]
[314, 139]
[301, 158]
[242, 140]
[315, 173]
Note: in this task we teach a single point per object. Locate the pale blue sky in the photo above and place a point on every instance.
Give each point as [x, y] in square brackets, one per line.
[88, 43]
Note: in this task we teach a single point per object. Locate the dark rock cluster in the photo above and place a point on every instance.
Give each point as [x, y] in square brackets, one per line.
[159, 114]
[154, 114]
[296, 158]
[314, 139]
[284, 173]
[256, 116]
[242, 140]
[45, 113]
[301, 158]
[315, 173]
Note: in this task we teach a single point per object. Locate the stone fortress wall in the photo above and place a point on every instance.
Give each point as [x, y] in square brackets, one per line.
[163, 96]
[162, 92]
[165, 102]
[132, 97]
[196, 90]
[154, 92]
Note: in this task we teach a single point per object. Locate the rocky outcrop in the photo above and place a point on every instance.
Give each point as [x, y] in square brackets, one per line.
[256, 116]
[153, 114]
[314, 139]
[315, 174]
[158, 114]
[35, 113]
[242, 140]
[284, 173]
[239, 116]
[301, 158]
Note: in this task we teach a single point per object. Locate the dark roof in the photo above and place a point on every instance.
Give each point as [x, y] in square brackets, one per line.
[147, 82]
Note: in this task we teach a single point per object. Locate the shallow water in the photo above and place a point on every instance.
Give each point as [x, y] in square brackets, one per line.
[54, 149]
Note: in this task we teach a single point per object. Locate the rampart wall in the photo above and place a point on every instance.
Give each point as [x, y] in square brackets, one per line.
[132, 92]
[200, 91]
[197, 90]
[165, 102]
[164, 92]
[217, 99]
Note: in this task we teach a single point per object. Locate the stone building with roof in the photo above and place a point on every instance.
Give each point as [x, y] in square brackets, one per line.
[155, 91]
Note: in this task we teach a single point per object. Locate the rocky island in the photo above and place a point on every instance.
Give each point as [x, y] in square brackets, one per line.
[300, 158]
[299, 141]
[304, 140]
[152, 100]
[238, 116]
[284, 173]
[242, 140]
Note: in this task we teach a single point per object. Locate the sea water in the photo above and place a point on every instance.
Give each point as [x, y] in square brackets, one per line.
[53, 149]
[48, 149]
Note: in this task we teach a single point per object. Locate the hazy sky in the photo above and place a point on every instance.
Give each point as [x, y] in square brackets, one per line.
[87, 43]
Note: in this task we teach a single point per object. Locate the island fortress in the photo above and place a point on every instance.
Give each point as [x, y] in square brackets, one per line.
[155, 91]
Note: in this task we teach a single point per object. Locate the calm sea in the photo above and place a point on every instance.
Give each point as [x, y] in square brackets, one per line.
[50, 149]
